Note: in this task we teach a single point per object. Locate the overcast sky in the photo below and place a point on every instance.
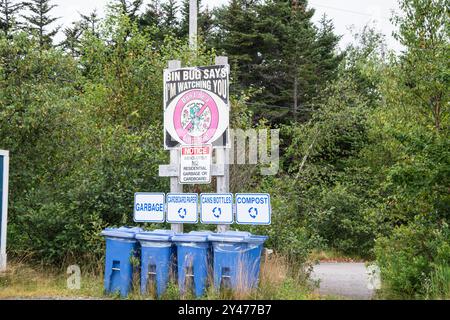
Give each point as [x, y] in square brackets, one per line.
[344, 13]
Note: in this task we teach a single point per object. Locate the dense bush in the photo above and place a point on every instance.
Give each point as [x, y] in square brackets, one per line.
[414, 256]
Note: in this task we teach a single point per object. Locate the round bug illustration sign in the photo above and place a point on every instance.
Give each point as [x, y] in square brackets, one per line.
[196, 106]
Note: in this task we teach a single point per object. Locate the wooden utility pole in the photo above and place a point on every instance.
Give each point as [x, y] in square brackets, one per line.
[193, 11]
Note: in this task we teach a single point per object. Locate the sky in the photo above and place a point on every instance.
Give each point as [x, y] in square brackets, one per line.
[345, 14]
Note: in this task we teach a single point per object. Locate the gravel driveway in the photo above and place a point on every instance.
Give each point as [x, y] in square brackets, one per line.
[347, 279]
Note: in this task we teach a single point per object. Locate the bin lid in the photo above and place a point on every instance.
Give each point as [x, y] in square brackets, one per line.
[237, 233]
[122, 232]
[163, 231]
[188, 237]
[256, 238]
[201, 232]
[153, 236]
[224, 237]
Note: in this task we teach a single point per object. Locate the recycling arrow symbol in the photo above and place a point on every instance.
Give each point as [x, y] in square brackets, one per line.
[217, 212]
[182, 212]
[253, 212]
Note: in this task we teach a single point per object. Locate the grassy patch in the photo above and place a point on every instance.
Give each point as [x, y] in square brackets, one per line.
[332, 255]
[279, 279]
[27, 281]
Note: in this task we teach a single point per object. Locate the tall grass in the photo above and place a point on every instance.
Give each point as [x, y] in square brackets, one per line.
[23, 279]
[438, 286]
[280, 278]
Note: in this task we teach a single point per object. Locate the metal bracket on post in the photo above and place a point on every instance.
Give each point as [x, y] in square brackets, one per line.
[175, 187]
[4, 181]
[222, 160]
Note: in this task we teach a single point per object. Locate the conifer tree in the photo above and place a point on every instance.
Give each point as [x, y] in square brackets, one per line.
[71, 41]
[170, 22]
[152, 15]
[274, 47]
[90, 22]
[235, 36]
[129, 7]
[8, 12]
[39, 21]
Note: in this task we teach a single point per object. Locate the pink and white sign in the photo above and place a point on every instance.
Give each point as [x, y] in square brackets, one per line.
[196, 106]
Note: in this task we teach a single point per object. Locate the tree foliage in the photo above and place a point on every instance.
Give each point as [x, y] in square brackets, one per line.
[365, 154]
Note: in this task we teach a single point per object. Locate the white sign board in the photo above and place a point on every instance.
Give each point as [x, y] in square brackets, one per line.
[196, 106]
[149, 207]
[253, 208]
[195, 164]
[216, 208]
[182, 207]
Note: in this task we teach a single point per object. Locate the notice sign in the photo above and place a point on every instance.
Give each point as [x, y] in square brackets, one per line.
[195, 164]
[148, 207]
[253, 208]
[182, 207]
[216, 208]
[196, 106]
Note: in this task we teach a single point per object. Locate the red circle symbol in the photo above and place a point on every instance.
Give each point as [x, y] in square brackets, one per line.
[196, 117]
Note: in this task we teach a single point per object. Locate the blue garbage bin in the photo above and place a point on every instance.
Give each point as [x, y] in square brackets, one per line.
[193, 258]
[121, 246]
[237, 258]
[157, 252]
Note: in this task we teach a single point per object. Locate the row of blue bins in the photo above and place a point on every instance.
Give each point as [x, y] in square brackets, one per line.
[230, 259]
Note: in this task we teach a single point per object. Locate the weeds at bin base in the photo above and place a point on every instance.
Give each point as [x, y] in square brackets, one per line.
[279, 279]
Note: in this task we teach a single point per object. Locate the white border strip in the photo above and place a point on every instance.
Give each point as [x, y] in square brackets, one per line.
[4, 212]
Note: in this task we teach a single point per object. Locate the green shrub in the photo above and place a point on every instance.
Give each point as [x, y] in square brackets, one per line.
[414, 261]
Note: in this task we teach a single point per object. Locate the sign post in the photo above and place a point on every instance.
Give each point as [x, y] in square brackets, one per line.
[175, 187]
[223, 159]
[4, 180]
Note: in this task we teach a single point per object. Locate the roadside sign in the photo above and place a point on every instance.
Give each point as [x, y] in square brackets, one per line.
[195, 164]
[196, 106]
[216, 208]
[253, 208]
[149, 207]
[182, 207]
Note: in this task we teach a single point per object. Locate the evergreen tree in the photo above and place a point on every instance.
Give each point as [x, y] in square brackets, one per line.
[129, 8]
[170, 23]
[90, 22]
[274, 47]
[235, 36]
[8, 11]
[71, 41]
[152, 16]
[39, 20]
